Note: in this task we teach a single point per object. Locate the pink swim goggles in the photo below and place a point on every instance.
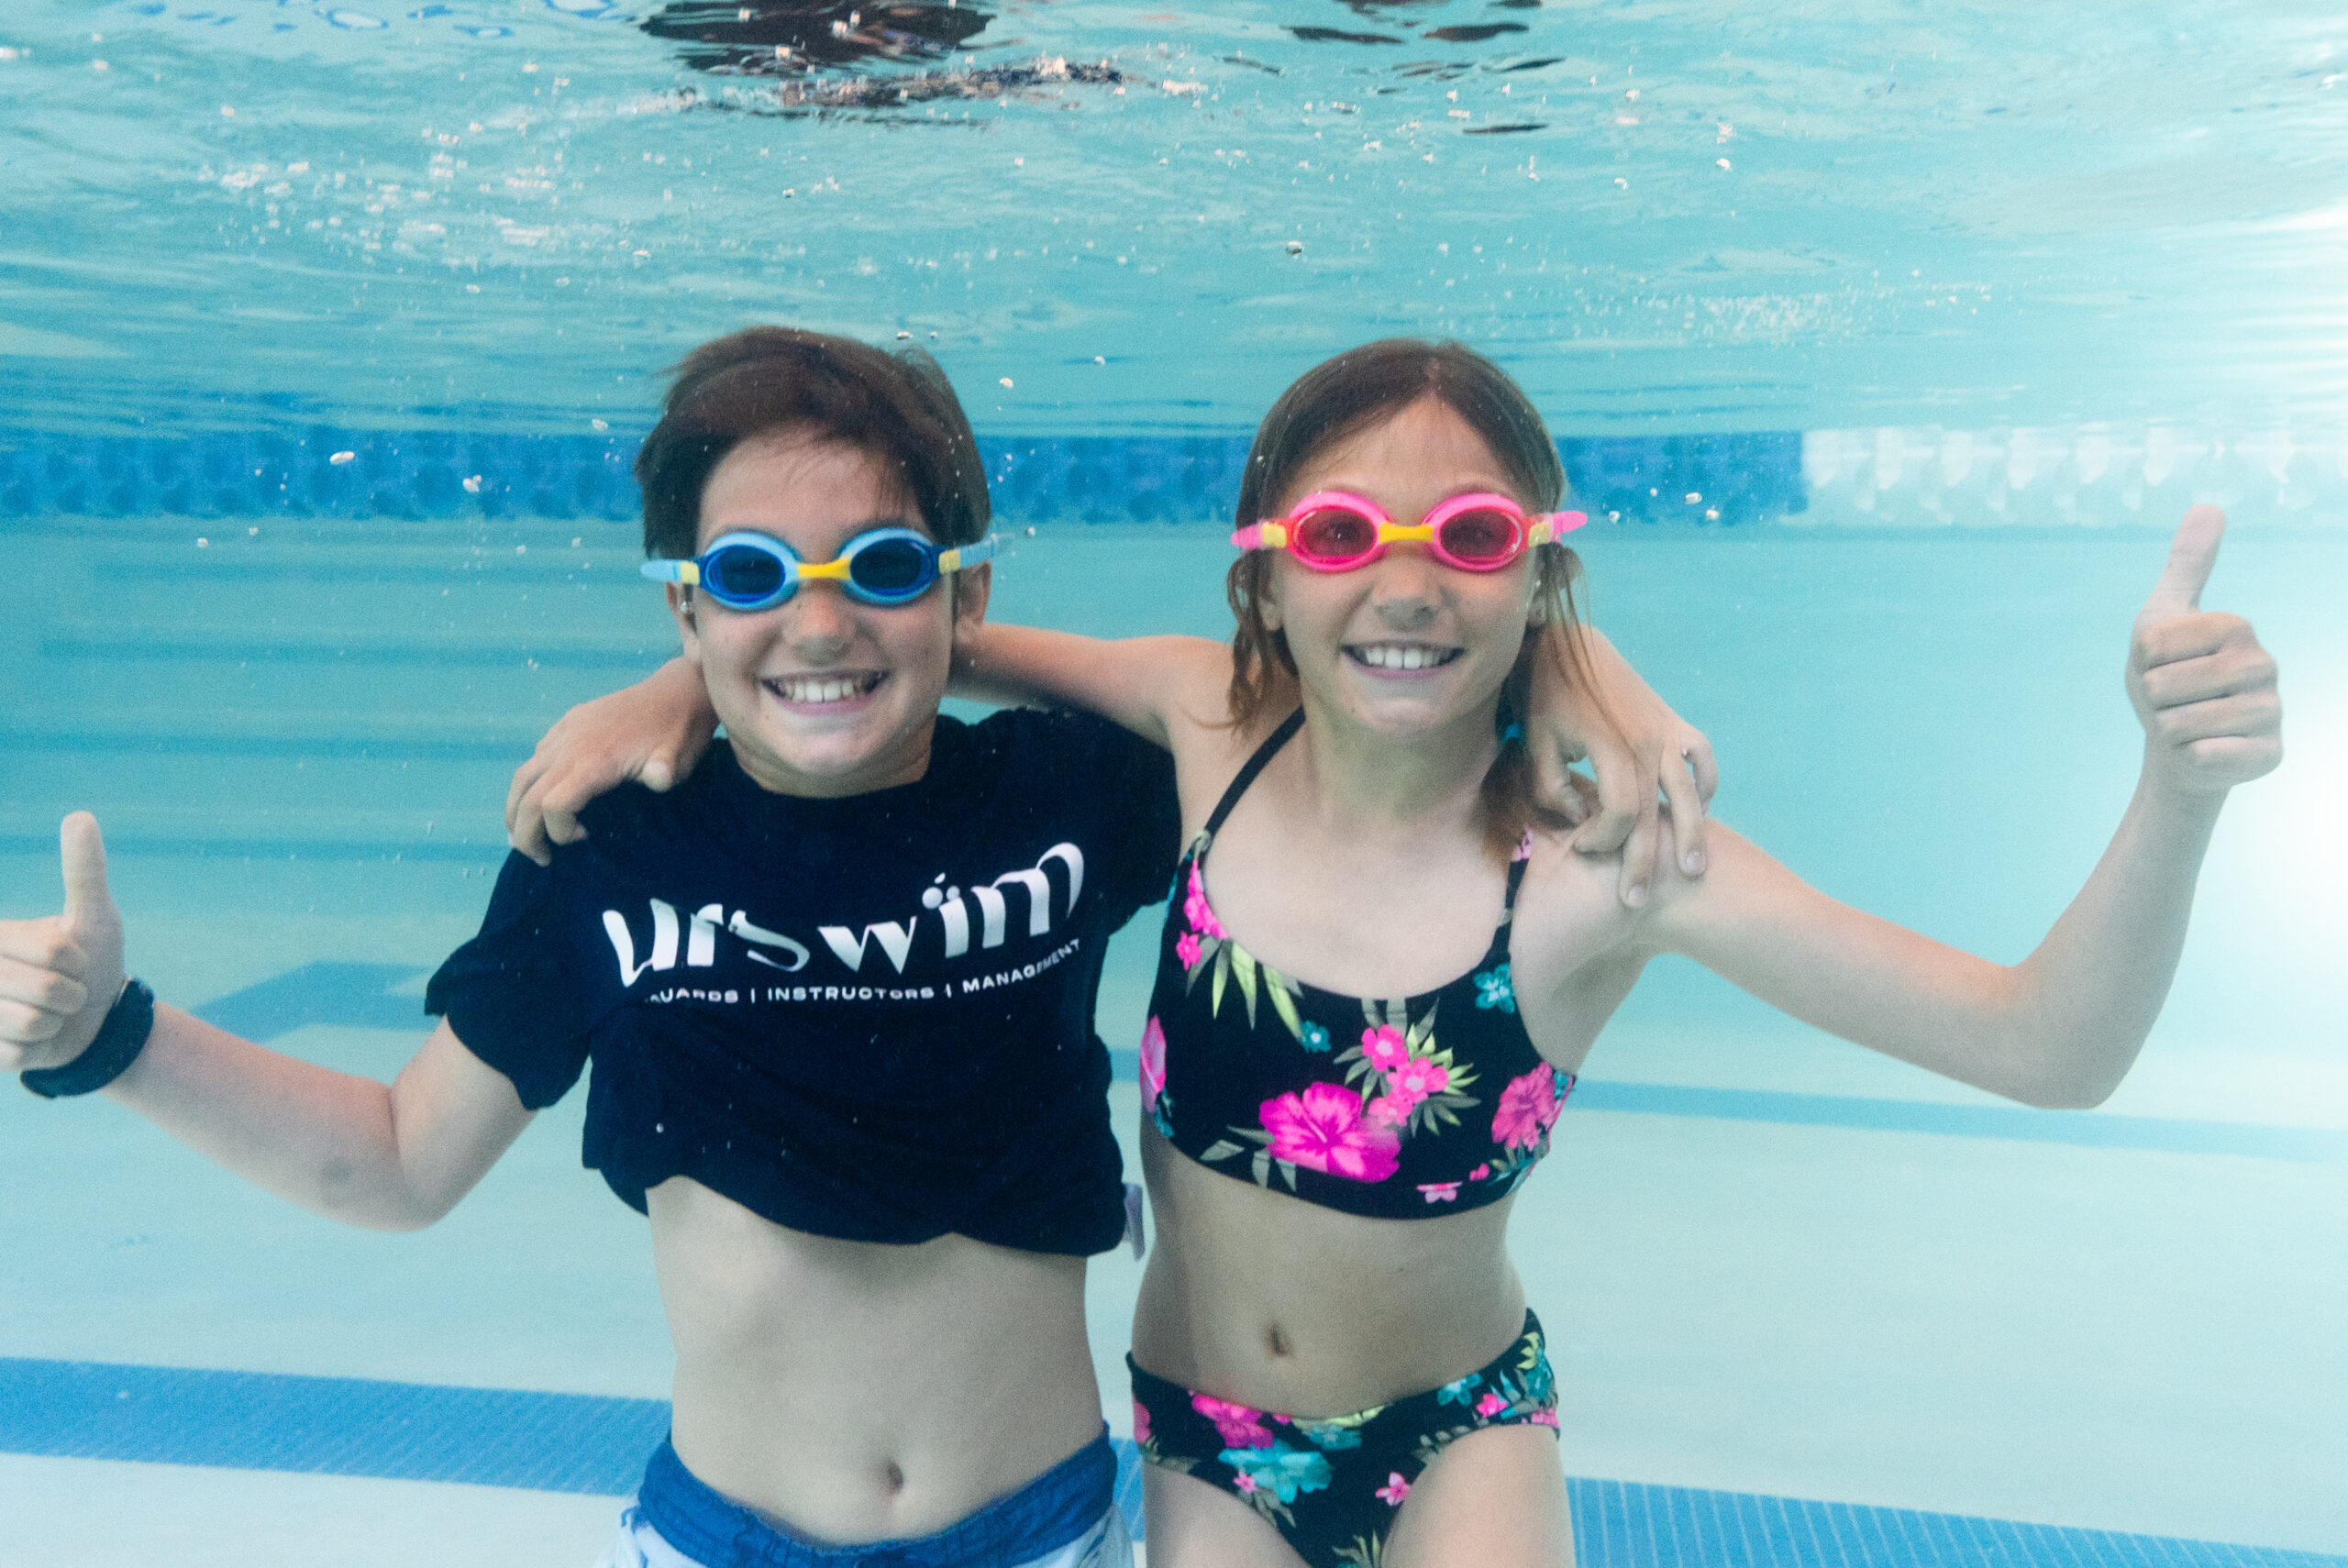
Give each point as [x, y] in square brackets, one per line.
[1335, 530]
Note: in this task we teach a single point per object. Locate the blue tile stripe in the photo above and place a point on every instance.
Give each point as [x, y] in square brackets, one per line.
[327, 1426]
[597, 1445]
[350, 995]
[1093, 478]
[2086, 1129]
[1622, 1524]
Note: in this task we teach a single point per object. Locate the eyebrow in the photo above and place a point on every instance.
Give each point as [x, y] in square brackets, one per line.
[854, 531]
[1500, 485]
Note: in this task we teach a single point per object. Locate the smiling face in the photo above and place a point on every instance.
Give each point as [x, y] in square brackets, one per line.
[1405, 644]
[821, 695]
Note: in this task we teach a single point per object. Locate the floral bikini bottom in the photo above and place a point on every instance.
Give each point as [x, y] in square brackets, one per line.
[1330, 1485]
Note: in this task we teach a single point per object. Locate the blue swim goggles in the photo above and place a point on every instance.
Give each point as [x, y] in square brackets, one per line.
[757, 571]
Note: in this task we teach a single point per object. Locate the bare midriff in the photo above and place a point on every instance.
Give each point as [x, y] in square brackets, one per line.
[851, 1391]
[1259, 1297]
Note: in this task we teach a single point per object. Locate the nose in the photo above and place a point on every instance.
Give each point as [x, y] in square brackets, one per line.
[1407, 589]
[818, 623]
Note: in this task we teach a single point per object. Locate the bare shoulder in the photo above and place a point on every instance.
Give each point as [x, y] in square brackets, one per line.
[1209, 748]
[1559, 875]
[1741, 883]
[1571, 905]
[1567, 912]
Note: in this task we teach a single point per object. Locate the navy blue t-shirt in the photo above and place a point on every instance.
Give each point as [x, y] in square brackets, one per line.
[869, 1017]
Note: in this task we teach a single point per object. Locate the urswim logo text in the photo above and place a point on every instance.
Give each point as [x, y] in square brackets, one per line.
[895, 940]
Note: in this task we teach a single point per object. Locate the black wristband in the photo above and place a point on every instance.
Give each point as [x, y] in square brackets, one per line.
[119, 1040]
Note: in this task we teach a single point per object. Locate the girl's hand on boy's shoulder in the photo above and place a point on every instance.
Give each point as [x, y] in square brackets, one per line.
[652, 733]
[61, 974]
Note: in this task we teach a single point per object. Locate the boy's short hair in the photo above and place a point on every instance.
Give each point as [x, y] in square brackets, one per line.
[899, 408]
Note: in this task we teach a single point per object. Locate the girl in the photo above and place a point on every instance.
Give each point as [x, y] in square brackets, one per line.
[1380, 974]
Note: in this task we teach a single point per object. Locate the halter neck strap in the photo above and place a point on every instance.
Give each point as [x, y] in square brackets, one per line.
[1254, 765]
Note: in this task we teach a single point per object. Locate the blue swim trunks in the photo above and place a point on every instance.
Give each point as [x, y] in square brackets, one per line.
[1066, 1517]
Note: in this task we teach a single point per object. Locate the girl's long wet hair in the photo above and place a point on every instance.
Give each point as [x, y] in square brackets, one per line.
[1341, 397]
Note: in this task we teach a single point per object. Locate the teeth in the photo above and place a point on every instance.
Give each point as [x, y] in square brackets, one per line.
[1402, 655]
[824, 687]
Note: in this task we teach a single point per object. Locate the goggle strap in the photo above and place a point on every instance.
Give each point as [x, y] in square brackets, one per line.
[686, 572]
[1265, 535]
[969, 555]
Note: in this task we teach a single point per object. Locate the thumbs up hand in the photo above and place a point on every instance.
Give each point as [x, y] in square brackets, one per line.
[60, 974]
[2200, 683]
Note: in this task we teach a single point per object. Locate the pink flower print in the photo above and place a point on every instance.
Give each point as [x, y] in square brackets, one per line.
[1383, 1045]
[1244, 1482]
[1419, 1078]
[1186, 948]
[1395, 1489]
[1440, 1191]
[1528, 1108]
[1241, 1426]
[1141, 1422]
[1153, 1065]
[1490, 1405]
[1481, 1173]
[1324, 1130]
[1197, 910]
[1543, 1418]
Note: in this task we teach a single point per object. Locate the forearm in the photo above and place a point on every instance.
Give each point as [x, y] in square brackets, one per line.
[1134, 682]
[1008, 666]
[325, 1140]
[2087, 998]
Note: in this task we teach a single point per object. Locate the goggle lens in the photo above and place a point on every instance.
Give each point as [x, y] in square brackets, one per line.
[893, 568]
[1334, 533]
[740, 574]
[1481, 537]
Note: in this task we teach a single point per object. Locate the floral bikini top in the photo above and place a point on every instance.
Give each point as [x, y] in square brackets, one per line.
[1400, 1108]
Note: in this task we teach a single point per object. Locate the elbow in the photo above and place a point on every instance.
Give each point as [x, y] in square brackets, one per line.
[2065, 1095]
[2054, 1058]
[379, 1214]
[395, 1217]
[347, 1196]
[2065, 1072]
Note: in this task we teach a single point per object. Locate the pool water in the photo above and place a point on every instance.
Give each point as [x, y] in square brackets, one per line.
[1665, 216]
[1885, 350]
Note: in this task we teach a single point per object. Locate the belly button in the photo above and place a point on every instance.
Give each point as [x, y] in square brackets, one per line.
[1278, 1342]
[892, 1477]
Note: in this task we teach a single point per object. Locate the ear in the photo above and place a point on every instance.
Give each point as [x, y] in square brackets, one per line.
[1268, 598]
[972, 587]
[681, 606]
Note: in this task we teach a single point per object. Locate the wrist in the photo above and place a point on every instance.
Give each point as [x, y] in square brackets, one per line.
[108, 1055]
[2185, 800]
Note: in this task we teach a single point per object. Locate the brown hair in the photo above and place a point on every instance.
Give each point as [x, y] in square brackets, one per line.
[1341, 397]
[899, 408]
